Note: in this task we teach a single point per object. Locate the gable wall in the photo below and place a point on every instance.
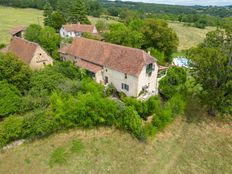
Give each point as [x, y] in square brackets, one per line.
[40, 59]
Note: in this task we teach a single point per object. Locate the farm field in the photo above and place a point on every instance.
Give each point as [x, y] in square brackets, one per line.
[189, 36]
[187, 146]
[11, 17]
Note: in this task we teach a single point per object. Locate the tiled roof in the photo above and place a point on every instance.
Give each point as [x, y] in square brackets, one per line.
[17, 29]
[120, 58]
[22, 48]
[79, 28]
[89, 66]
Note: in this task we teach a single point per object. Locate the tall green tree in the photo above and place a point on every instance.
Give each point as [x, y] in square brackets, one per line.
[46, 37]
[57, 21]
[47, 14]
[212, 66]
[49, 40]
[123, 35]
[74, 11]
[32, 32]
[159, 36]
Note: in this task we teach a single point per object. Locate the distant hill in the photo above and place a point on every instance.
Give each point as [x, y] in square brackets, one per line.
[170, 9]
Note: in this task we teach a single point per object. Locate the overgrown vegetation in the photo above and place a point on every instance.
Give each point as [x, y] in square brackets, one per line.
[61, 96]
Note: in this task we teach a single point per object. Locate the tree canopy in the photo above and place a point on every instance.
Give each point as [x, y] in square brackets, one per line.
[14, 71]
[74, 11]
[212, 68]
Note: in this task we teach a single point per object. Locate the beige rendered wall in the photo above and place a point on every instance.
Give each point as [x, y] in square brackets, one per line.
[117, 78]
[40, 59]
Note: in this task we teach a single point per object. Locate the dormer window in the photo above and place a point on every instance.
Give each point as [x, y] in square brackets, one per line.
[149, 69]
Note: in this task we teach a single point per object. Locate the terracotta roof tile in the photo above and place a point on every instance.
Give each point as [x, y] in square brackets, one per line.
[22, 48]
[79, 28]
[89, 66]
[17, 29]
[120, 58]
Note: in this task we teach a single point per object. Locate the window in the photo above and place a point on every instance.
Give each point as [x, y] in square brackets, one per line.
[125, 76]
[149, 69]
[106, 80]
[125, 86]
[106, 70]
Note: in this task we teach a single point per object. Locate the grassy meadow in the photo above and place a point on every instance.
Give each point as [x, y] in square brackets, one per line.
[185, 147]
[189, 36]
[11, 17]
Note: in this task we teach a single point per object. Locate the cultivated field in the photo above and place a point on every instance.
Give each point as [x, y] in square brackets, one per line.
[189, 36]
[11, 17]
[190, 145]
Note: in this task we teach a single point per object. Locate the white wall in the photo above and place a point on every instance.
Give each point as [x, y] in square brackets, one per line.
[117, 78]
[64, 33]
[144, 80]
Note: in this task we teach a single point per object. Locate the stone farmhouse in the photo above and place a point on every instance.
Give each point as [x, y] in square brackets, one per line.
[29, 52]
[130, 70]
[76, 30]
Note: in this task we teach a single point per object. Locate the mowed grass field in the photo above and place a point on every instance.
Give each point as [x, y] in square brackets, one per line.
[195, 144]
[11, 17]
[189, 36]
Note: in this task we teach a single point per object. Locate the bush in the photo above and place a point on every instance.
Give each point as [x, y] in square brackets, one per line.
[137, 105]
[14, 71]
[171, 109]
[131, 121]
[170, 84]
[43, 82]
[10, 130]
[10, 99]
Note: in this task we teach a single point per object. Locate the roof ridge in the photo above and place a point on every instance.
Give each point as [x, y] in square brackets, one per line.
[108, 43]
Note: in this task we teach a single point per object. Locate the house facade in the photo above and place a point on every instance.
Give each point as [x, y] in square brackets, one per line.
[130, 70]
[76, 30]
[29, 52]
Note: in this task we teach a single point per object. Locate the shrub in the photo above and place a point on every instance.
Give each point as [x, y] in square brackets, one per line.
[131, 121]
[137, 105]
[176, 104]
[14, 71]
[43, 82]
[10, 130]
[169, 85]
[10, 99]
[2, 45]
[111, 90]
[39, 124]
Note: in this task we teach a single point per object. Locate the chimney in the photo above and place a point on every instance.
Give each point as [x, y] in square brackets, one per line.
[149, 52]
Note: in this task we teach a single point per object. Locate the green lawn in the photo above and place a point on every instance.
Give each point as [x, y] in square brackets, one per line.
[189, 36]
[11, 17]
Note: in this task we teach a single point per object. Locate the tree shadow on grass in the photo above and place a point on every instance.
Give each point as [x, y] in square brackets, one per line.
[195, 112]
